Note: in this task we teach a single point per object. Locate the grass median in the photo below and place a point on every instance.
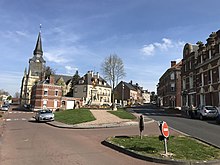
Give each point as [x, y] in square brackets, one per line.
[181, 147]
[74, 116]
[123, 114]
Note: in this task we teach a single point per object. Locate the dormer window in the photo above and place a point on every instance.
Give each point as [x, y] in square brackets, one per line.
[81, 81]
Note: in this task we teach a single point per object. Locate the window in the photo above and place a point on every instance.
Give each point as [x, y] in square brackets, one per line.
[81, 81]
[84, 89]
[172, 87]
[190, 64]
[44, 103]
[75, 89]
[172, 76]
[201, 59]
[184, 84]
[210, 54]
[210, 76]
[219, 48]
[191, 81]
[45, 92]
[56, 93]
[202, 78]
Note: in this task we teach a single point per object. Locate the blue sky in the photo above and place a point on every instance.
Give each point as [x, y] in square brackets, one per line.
[79, 34]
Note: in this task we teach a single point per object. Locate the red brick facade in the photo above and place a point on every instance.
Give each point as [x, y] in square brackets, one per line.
[169, 86]
[46, 96]
[201, 64]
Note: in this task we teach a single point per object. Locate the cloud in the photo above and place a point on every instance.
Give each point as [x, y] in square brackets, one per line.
[56, 56]
[13, 35]
[70, 70]
[165, 45]
[148, 49]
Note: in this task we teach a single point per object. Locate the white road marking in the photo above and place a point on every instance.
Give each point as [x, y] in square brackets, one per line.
[21, 119]
[21, 112]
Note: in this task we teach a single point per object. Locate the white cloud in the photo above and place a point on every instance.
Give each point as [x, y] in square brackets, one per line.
[165, 45]
[148, 49]
[56, 56]
[70, 70]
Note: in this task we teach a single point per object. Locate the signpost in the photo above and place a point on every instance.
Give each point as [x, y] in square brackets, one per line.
[141, 125]
[165, 133]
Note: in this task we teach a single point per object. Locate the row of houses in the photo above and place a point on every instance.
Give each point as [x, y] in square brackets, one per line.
[196, 79]
[40, 90]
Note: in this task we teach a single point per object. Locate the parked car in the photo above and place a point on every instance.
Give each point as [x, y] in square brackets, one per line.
[4, 107]
[44, 115]
[207, 112]
[218, 119]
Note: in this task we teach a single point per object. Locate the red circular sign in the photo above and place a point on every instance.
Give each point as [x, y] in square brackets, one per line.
[165, 130]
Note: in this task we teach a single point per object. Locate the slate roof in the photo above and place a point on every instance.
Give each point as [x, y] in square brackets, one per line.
[88, 78]
[66, 78]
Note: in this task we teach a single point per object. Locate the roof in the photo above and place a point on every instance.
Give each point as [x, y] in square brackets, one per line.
[130, 86]
[89, 77]
[66, 78]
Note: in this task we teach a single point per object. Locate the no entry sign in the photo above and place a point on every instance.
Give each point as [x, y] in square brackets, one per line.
[165, 130]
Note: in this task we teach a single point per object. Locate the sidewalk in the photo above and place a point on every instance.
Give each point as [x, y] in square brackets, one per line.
[104, 119]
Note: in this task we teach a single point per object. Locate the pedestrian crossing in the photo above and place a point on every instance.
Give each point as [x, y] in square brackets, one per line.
[18, 119]
[20, 112]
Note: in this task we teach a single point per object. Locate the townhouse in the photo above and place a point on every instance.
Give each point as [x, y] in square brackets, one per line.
[202, 67]
[169, 87]
[93, 90]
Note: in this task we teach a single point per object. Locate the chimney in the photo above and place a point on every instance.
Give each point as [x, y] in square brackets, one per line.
[52, 79]
[97, 74]
[130, 82]
[173, 63]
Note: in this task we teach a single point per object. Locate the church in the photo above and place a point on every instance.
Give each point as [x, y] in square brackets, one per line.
[40, 90]
[34, 72]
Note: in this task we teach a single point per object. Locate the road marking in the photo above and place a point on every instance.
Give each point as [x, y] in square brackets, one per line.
[21, 112]
[21, 119]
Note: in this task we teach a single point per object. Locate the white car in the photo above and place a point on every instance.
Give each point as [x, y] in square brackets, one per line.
[207, 111]
[44, 115]
[4, 107]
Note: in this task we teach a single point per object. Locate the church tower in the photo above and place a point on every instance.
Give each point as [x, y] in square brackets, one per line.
[34, 73]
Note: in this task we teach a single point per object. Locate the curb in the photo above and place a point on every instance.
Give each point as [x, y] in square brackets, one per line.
[157, 160]
[111, 125]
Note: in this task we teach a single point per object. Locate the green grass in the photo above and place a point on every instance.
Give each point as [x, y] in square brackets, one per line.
[182, 148]
[121, 113]
[75, 116]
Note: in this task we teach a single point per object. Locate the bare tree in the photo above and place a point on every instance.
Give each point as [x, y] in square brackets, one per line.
[48, 71]
[17, 95]
[113, 70]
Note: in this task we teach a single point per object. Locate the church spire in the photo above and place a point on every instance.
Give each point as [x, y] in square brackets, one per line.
[38, 48]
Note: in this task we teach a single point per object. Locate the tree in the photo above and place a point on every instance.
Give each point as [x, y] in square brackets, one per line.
[113, 70]
[74, 81]
[3, 92]
[17, 95]
[48, 71]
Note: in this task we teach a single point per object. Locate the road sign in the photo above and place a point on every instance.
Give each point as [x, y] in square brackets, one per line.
[165, 130]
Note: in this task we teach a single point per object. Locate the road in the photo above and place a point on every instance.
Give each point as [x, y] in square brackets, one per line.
[27, 142]
[206, 130]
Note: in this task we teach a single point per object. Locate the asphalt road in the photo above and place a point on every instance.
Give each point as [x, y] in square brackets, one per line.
[27, 142]
[206, 130]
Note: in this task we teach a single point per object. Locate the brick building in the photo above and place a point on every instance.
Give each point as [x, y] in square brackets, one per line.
[201, 72]
[133, 93]
[208, 71]
[188, 75]
[169, 86]
[45, 95]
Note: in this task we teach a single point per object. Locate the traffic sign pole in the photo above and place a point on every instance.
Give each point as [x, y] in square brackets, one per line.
[165, 145]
